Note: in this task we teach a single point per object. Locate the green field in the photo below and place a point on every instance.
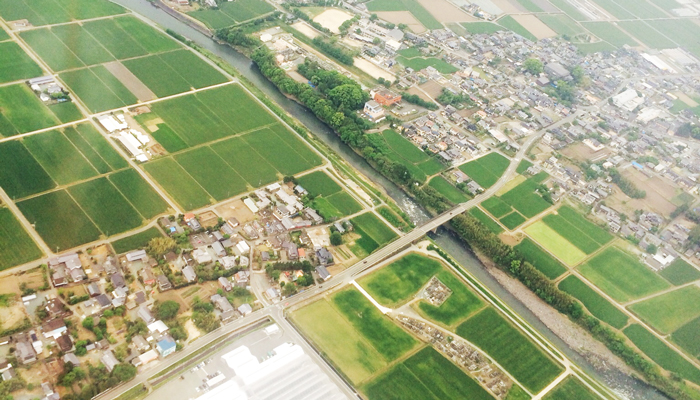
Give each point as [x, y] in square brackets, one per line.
[621, 276]
[401, 150]
[680, 272]
[511, 349]
[339, 341]
[15, 64]
[569, 9]
[512, 220]
[4, 35]
[344, 203]
[617, 10]
[492, 225]
[688, 337]
[57, 11]
[212, 173]
[610, 33]
[20, 174]
[21, 111]
[482, 27]
[59, 220]
[101, 146]
[540, 259]
[232, 13]
[555, 243]
[139, 193]
[419, 63]
[397, 282]
[510, 23]
[178, 183]
[425, 375]
[461, 304]
[66, 111]
[577, 229]
[63, 162]
[595, 232]
[496, 206]
[98, 88]
[389, 340]
[137, 241]
[105, 206]
[87, 150]
[530, 5]
[597, 47]
[525, 199]
[647, 35]
[247, 161]
[446, 189]
[421, 14]
[318, 183]
[594, 302]
[561, 24]
[670, 311]
[16, 246]
[51, 49]
[571, 389]
[404, 147]
[486, 170]
[151, 69]
[82, 44]
[663, 355]
[375, 228]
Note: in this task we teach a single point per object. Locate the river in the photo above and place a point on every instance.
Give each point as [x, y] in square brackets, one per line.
[624, 385]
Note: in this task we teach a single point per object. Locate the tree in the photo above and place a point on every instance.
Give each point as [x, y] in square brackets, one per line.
[124, 372]
[694, 235]
[336, 239]
[373, 17]
[158, 247]
[289, 289]
[652, 249]
[167, 310]
[533, 66]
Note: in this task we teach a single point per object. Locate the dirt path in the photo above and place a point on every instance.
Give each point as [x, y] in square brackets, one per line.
[126, 77]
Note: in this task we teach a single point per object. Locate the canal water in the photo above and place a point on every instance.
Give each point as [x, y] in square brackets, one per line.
[624, 385]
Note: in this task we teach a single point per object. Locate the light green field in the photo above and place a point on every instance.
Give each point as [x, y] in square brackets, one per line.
[231, 13]
[461, 303]
[419, 63]
[647, 35]
[510, 23]
[318, 183]
[15, 64]
[486, 170]
[63, 162]
[57, 11]
[610, 33]
[21, 111]
[596, 304]
[570, 389]
[175, 180]
[482, 27]
[446, 189]
[418, 11]
[670, 311]
[555, 243]
[339, 341]
[137, 241]
[680, 272]
[16, 246]
[492, 225]
[561, 24]
[621, 276]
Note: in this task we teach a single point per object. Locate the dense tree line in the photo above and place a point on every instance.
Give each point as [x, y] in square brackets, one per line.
[688, 130]
[334, 50]
[417, 100]
[626, 185]
[477, 235]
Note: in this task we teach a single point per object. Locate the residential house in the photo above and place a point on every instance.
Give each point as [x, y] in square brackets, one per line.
[148, 277]
[245, 309]
[109, 360]
[374, 110]
[140, 344]
[222, 303]
[323, 272]
[166, 346]
[64, 342]
[242, 278]
[54, 328]
[117, 280]
[163, 283]
[24, 351]
[324, 256]
[225, 284]
[146, 315]
[189, 274]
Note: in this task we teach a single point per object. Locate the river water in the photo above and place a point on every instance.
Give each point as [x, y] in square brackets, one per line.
[624, 385]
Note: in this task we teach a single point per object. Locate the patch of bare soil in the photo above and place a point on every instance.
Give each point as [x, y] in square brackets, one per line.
[134, 84]
[235, 209]
[208, 219]
[402, 17]
[581, 152]
[445, 12]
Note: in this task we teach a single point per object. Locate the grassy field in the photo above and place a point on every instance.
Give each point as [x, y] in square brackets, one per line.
[561, 24]
[63, 162]
[98, 89]
[510, 23]
[20, 174]
[621, 276]
[399, 281]
[595, 232]
[446, 189]
[139, 193]
[663, 355]
[597, 47]
[421, 14]
[492, 225]
[670, 311]
[344, 203]
[246, 160]
[496, 206]
[150, 71]
[212, 173]
[137, 241]
[375, 228]
[401, 150]
[21, 111]
[569, 10]
[688, 337]
[610, 33]
[66, 111]
[339, 341]
[530, 5]
[318, 183]
[555, 243]
[646, 34]
[594, 302]
[616, 10]
[389, 340]
[178, 183]
[512, 220]
[683, 31]
[482, 27]
[641, 8]
[540, 259]
[88, 151]
[487, 169]
[571, 389]
[425, 375]
[404, 147]
[461, 304]
[576, 229]
[59, 220]
[15, 64]
[511, 349]
[680, 272]
[419, 63]
[231, 13]
[525, 199]
[101, 146]
[105, 206]
[55, 11]
[16, 246]
[82, 44]
[52, 50]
